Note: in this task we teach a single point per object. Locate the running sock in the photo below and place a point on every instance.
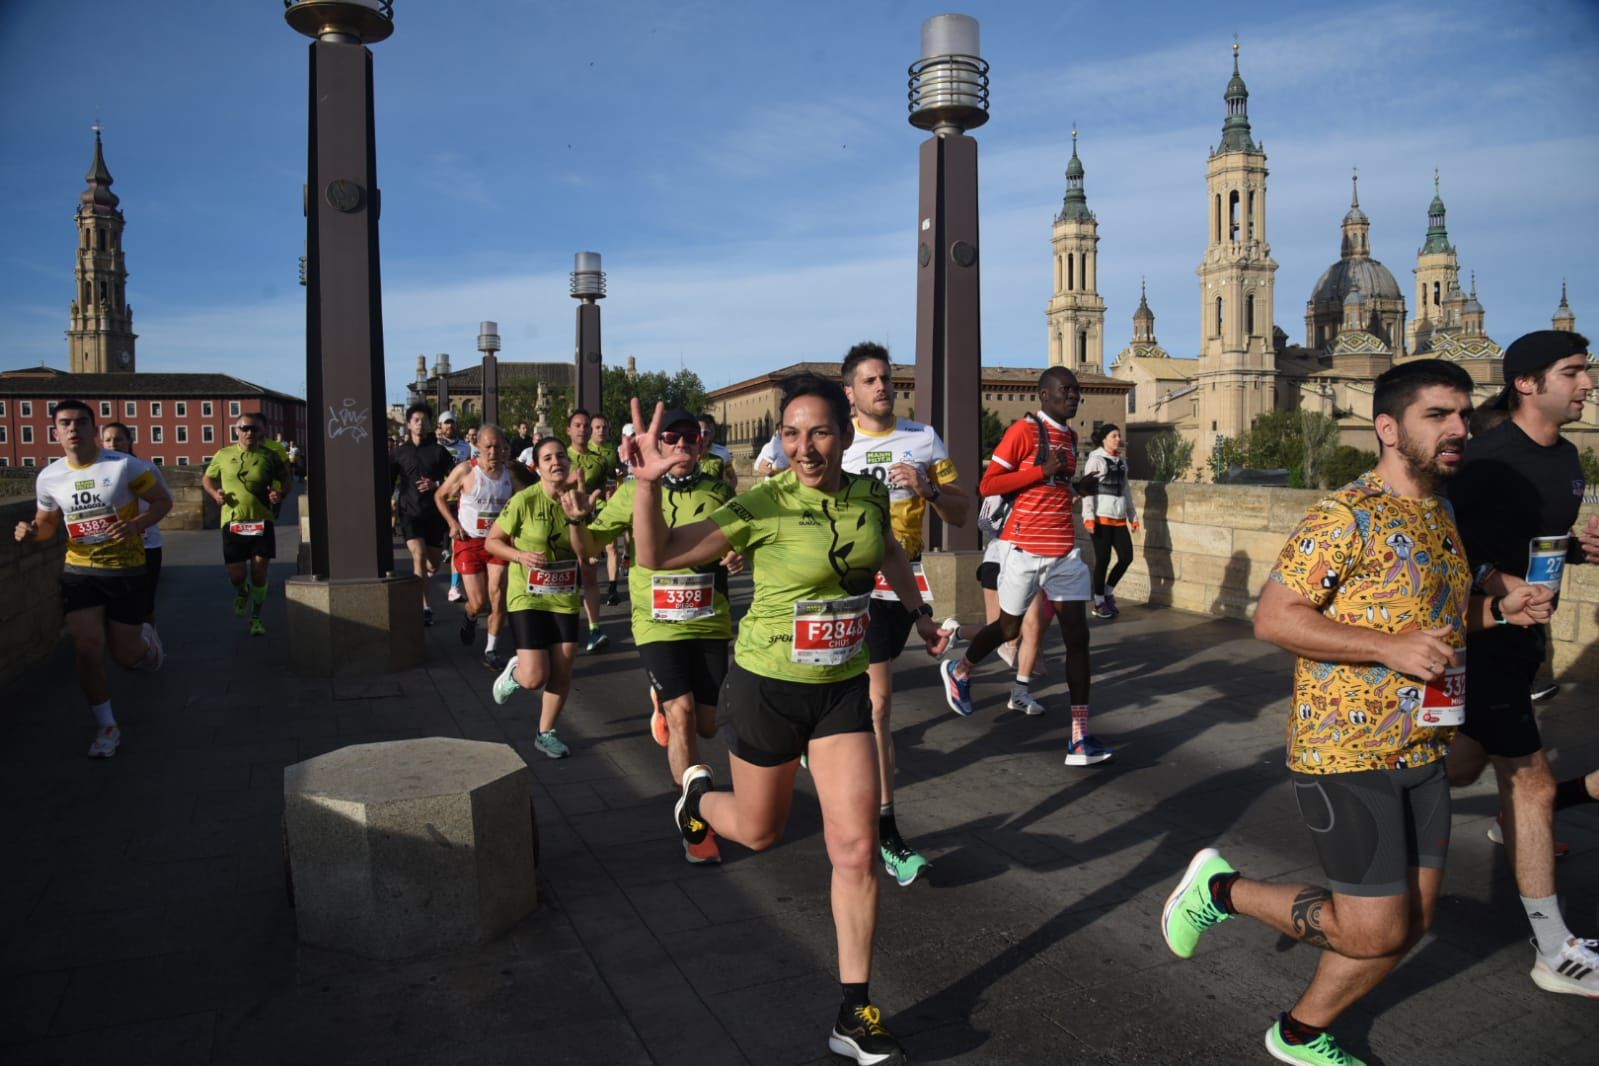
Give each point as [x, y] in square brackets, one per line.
[1221, 890]
[102, 714]
[1023, 680]
[963, 668]
[257, 598]
[855, 995]
[493, 639]
[887, 828]
[1079, 722]
[1548, 927]
[455, 579]
[1297, 1032]
[1572, 793]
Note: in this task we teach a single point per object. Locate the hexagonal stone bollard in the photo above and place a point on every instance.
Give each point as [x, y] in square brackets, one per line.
[409, 847]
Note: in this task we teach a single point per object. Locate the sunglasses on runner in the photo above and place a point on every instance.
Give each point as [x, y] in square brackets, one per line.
[249, 429]
[674, 436]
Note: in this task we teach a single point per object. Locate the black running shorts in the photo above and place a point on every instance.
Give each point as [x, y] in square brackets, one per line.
[988, 576]
[888, 630]
[1371, 826]
[538, 630]
[1499, 706]
[125, 597]
[427, 526]
[676, 667]
[773, 720]
[241, 547]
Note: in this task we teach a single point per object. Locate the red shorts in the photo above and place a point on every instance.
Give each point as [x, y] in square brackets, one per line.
[469, 556]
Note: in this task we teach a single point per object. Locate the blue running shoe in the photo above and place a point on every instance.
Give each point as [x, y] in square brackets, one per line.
[1087, 752]
[957, 690]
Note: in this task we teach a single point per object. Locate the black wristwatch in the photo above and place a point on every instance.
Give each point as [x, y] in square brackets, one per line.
[925, 610]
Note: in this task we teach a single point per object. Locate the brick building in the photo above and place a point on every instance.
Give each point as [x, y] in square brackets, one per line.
[176, 419]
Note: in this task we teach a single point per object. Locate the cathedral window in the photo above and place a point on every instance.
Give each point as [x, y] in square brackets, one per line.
[1251, 214]
[1132, 401]
[1249, 314]
[1082, 347]
[1232, 215]
[1435, 294]
[1217, 332]
[99, 239]
[1216, 227]
[1071, 272]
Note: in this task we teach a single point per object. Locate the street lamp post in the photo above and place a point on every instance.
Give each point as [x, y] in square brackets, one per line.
[441, 387]
[588, 287]
[949, 95]
[488, 342]
[340, 616]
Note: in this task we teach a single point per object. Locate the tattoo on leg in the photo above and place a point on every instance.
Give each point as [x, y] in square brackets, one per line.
[1306, 915]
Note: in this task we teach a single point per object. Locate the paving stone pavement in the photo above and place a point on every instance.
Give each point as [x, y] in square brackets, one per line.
[143, 914]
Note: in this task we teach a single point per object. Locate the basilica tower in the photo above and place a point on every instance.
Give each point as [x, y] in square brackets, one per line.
[1076, 313]
[1437, 275]
[1237, 359]
[101, 336]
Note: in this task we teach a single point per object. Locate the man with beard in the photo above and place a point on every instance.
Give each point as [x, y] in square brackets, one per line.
[1372, 593]
[1516, 500]
[1033, 467]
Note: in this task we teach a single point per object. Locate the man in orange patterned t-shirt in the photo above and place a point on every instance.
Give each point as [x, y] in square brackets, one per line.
[1372, 593]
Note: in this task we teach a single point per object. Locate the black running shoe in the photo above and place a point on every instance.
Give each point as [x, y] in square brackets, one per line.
[859, 1036]
[613, 598]
[696, 782]
[1542, 692]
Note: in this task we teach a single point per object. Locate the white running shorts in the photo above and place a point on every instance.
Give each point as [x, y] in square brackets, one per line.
[1064, 578]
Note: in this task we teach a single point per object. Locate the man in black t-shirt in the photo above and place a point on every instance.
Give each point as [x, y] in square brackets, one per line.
[1516, 500]
[418, 467]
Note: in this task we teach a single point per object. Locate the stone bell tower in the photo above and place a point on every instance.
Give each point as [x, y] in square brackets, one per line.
[100, 339]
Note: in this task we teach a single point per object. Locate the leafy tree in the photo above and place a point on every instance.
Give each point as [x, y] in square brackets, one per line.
[992, 430]
[1171, 456]
[1344, 464]
[1590, 467]
[683, 389]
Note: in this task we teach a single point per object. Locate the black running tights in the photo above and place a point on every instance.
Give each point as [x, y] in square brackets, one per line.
[1107, 537]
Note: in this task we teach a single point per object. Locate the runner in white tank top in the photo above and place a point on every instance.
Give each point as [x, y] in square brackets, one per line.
[484, 486]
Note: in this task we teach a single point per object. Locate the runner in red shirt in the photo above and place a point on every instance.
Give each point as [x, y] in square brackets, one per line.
[1033, 465]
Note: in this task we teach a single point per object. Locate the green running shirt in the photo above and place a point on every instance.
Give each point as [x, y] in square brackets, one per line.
[248, 476]
[536, 523]
[591, 465]
[694, 500]
[806, 545]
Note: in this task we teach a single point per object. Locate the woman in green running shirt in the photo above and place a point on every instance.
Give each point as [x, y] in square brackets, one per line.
[538, 536]
[815, 536]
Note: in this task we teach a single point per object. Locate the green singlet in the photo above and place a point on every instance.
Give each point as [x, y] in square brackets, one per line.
[248, 476]
[820, 550]
[692, 499]
[591, 465]
[536, 523]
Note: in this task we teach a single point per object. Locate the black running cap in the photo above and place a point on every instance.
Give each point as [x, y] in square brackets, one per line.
[1532, 352]
[674, 415]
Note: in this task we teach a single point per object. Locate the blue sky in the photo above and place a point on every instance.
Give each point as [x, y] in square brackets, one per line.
[748, 174]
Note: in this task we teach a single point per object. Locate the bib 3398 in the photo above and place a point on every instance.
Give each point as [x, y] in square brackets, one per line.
[682, 597]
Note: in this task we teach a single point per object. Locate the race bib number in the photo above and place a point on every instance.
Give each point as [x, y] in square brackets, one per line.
[829, 632]
[485, 519]
[247, 529]
[1443, 702]
[881, 590]
[91, 526]
[682, 597]
[552, 579]
[1546, 560]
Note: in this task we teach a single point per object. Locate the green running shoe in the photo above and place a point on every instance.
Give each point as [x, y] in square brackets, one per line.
[257, 627]
[1322, 1051]
[902, 864]
[240, 602]
[1189, 909]
[506, 684]
[551, 745]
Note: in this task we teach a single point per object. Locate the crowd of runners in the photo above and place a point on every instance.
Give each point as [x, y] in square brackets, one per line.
[1415, 601]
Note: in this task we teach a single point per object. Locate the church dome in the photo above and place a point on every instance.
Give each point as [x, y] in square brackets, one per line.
[1367, 275]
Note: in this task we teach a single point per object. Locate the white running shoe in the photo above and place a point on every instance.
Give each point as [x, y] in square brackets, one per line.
[106, 743]
[1023, 700]
[1574, 970]
[154, 654]
[1007, 652]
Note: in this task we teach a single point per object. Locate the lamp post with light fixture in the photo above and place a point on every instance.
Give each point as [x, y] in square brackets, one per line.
[488, 342]
[588, 287]
[949, 95]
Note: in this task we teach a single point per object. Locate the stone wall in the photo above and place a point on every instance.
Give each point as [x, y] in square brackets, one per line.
[30, 610]
[1210, 548]
[191, 507]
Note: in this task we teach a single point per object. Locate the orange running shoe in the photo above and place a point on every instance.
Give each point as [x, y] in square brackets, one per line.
[705, 853]
[659, 729]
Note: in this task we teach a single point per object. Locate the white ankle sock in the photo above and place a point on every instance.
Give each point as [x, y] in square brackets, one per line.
[1548, 927]
[493, 639]
[102, 714]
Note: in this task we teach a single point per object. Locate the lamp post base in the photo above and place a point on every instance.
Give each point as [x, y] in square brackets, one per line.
[356, 627]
